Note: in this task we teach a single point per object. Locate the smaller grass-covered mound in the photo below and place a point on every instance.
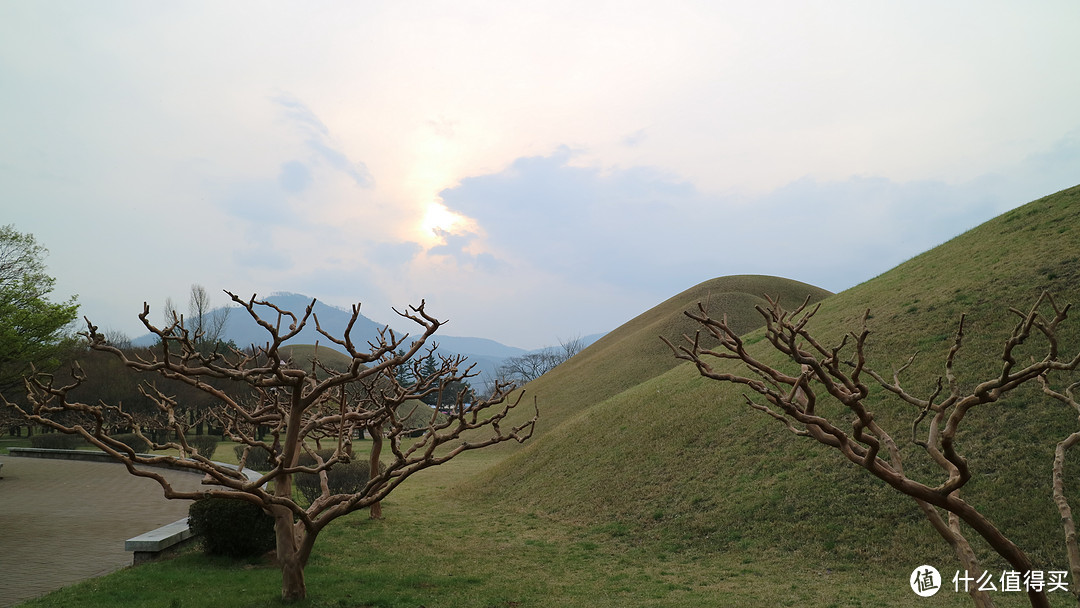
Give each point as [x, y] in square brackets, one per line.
[632, 353]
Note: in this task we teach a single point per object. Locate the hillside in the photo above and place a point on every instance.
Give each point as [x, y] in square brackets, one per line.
[632, 353]
[666, 455]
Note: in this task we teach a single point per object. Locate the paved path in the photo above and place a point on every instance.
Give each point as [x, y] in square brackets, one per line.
[62, 521]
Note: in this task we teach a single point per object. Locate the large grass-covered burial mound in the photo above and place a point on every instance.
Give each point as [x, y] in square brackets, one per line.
[656, 452]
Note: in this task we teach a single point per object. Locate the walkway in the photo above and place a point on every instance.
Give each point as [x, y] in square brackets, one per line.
[62, 521]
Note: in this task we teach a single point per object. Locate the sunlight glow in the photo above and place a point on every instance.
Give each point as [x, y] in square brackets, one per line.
[439, 218]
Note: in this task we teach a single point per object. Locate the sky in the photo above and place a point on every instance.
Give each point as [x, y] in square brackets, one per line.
[534, 171]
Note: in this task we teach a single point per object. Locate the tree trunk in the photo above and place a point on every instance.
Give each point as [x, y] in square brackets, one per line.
[1002, 545]
[290, 556]
[294, 545]
[288, 551]
[293, 588]
[1067, 522]
[373, 467]
[950, 531]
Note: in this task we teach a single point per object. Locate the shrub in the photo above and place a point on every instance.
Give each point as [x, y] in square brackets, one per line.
[133, 441]
[232, 527]
[57, 441]
[258, 458]
[343, 478]
[206, 444]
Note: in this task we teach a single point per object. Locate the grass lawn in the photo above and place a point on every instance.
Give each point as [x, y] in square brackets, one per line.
[438, 547]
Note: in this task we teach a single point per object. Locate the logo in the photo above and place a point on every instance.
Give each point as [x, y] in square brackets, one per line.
[925, 581]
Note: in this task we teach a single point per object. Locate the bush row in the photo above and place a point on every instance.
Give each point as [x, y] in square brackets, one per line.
[342, 478]
[63, 441]
[57, 441]
[206, 444]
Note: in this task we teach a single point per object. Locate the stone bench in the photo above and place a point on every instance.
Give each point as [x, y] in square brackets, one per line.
[150, 545]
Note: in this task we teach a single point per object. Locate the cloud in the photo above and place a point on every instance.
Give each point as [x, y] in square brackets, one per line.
[320, 141]
[294, 177]
[455, 245]
[301, 115]
[259, 203]
[263, 258]
[638, 226]
[578, 221]
[394, 255]
[442, 126]
[634, 139]
[338, 160]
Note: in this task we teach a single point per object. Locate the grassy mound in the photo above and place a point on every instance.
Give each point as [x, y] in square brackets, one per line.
[682, 460]
[632, 354]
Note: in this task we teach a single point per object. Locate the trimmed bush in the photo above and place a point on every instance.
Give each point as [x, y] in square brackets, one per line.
[57, 441]
[133, 441]
[258, 459]
[232, 527]
[206, 444]
[343, 478]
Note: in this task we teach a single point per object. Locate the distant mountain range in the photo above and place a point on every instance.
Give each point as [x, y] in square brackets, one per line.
[242, 329]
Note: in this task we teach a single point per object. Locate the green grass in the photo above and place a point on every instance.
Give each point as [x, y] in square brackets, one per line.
[633, 353]
[438, 548]
[723, 477]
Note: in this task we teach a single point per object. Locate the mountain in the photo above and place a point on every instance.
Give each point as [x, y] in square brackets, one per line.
[244, 331]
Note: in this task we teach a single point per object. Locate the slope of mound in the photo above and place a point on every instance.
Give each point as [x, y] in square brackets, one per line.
[302, 355]
[632, 353]
[683, 460]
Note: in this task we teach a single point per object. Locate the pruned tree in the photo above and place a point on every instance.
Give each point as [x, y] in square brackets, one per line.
[839, 374]
[1061, 501]
[296, 404]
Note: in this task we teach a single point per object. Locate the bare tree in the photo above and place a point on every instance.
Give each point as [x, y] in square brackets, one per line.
[827, 373]
[527, 367]
[169, 311]
[1068, 524]
[530, 366]
[571, 347]
[118, 339]
[295, 404]
[207, 324]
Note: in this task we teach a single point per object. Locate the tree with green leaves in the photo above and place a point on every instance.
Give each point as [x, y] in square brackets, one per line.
[32, 328]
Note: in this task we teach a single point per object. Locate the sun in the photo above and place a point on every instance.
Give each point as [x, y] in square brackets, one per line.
[437, 218]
